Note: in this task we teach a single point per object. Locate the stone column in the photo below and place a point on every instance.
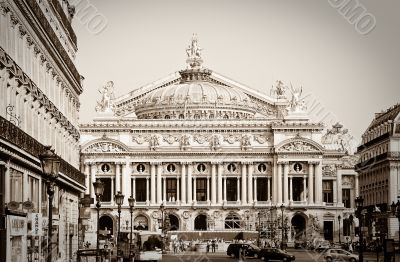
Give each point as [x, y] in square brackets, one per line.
[250, 182]
[255, 190]
[356, 188]
[126, 183]
[178, 199]
[213, 184]
[279, 184]
[165, 190]
[291, 189]
[194, 190]
[304, 189]
[208, 189]
[318, 183]
[275, 181]
[220, 170]
[117, 176]
[93, 178]
[311, 183]
[243, 193]
[87, 178]
[334, 185]
[147, 191]
[339, 188]
[269, 189]
[134, 187]
[224, 190]
[183, 183]
[189, 183]
[238, 190]
[153, 183]
[285, 183]
[159, 183]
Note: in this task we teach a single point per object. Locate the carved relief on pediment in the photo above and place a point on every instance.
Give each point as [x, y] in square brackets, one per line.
[348, 181]
[329, 170]
[298, 146]
[101, 147]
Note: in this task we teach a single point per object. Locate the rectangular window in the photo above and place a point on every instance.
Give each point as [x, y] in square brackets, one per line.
[140, 189]
[201, 189]
[107, 190]
[171, 189]
[327, 190]
[262, 184]
[231, 189]
[33, 191]
[16, 185]
[346, 227]
[346, 198]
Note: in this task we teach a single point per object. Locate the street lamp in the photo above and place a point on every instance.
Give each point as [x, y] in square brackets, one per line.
[282, 208]
[98, 187]
[50, 166]
[395, 208]
[131, 201]
[339, 218]
[359, 204]
[119, 199]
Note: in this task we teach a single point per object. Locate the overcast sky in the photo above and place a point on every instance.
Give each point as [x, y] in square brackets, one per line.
[308, 43]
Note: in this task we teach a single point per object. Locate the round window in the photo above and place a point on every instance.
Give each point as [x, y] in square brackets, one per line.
[105, 168]
[201, 167]
[171, 168]
[262, 168]
[297, 167]
[231, 167]
[140, 168]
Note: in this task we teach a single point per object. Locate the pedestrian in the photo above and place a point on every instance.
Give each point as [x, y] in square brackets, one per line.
[213, 245]
[350, 248]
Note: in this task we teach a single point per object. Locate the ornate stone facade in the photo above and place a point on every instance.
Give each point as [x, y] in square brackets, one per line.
[219, 156]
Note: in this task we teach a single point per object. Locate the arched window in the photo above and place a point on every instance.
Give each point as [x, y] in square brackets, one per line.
[181, 116]
[167, 117]
[140, 223]
[232, 221]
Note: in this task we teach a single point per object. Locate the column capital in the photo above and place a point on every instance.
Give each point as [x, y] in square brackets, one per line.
[246, 162]
[285, 162]
[216, 162]
[314, 162]
[186, 162]
[154, 163]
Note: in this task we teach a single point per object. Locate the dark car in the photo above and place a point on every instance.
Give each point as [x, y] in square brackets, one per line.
[268, 254]
[249, 250]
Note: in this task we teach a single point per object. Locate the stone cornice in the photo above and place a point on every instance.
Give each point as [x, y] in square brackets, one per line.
[35, 17]
[285, 126]
[31, 88]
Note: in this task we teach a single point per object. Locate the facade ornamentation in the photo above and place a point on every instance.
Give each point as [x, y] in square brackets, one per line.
[261, 139]
[103, 147]
[298, 146]
[296, 104]
[231, 138]
[186, 141]
[201, 139]
[329, 170]
[246, 142]
[348, 181]
[170, 139]
[105, 104]
[338, 138]
[215, 142]
[155, 141]
[140, 139]
[279, 90]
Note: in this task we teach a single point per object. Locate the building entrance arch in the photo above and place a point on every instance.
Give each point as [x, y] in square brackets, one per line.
[106, 223]
[299, 224]
[174, 222]
[200, 222]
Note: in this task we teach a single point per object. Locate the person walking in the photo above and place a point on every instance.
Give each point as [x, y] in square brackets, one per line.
[213, 245]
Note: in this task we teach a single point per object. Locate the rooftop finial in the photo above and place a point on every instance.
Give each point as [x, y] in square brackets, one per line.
[194, 54]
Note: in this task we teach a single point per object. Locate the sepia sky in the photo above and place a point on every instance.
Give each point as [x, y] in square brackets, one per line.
[346, 75]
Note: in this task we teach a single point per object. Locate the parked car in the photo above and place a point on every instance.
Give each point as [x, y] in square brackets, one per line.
[323, 246]
[249, 250]
[275, 254]
[340, 254]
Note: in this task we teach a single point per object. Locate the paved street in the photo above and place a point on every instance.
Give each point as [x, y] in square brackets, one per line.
[301, 256]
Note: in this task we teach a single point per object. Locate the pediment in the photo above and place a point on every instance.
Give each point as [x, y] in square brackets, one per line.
[104, 146]
[299, 145]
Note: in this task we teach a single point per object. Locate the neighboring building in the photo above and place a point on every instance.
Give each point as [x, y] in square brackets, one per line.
[39, 103]
[221, 157]
[378, 169]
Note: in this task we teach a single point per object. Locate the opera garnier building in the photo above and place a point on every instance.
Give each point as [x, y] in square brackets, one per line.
[216, 158]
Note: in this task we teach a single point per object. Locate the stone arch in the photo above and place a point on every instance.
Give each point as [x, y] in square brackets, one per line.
[232, 221]
[299, 226]
[174, 222]
[141, 222]
[200, 222]
[106, 222]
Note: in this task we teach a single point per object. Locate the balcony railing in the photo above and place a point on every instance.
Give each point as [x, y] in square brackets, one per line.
[22, 140]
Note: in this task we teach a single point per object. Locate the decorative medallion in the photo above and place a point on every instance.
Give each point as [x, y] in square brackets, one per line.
[231, 138]
[170, 139]
[139, 139]
[185, 214]
[200, 139]
[261, 139]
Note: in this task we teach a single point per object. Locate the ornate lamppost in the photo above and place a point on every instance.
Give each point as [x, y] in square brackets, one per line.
[119, 199]
[98, 187]
[339, 218]
[282, 208]
[359, 213]
[50, 167]
[131, 201]
[395, 208]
